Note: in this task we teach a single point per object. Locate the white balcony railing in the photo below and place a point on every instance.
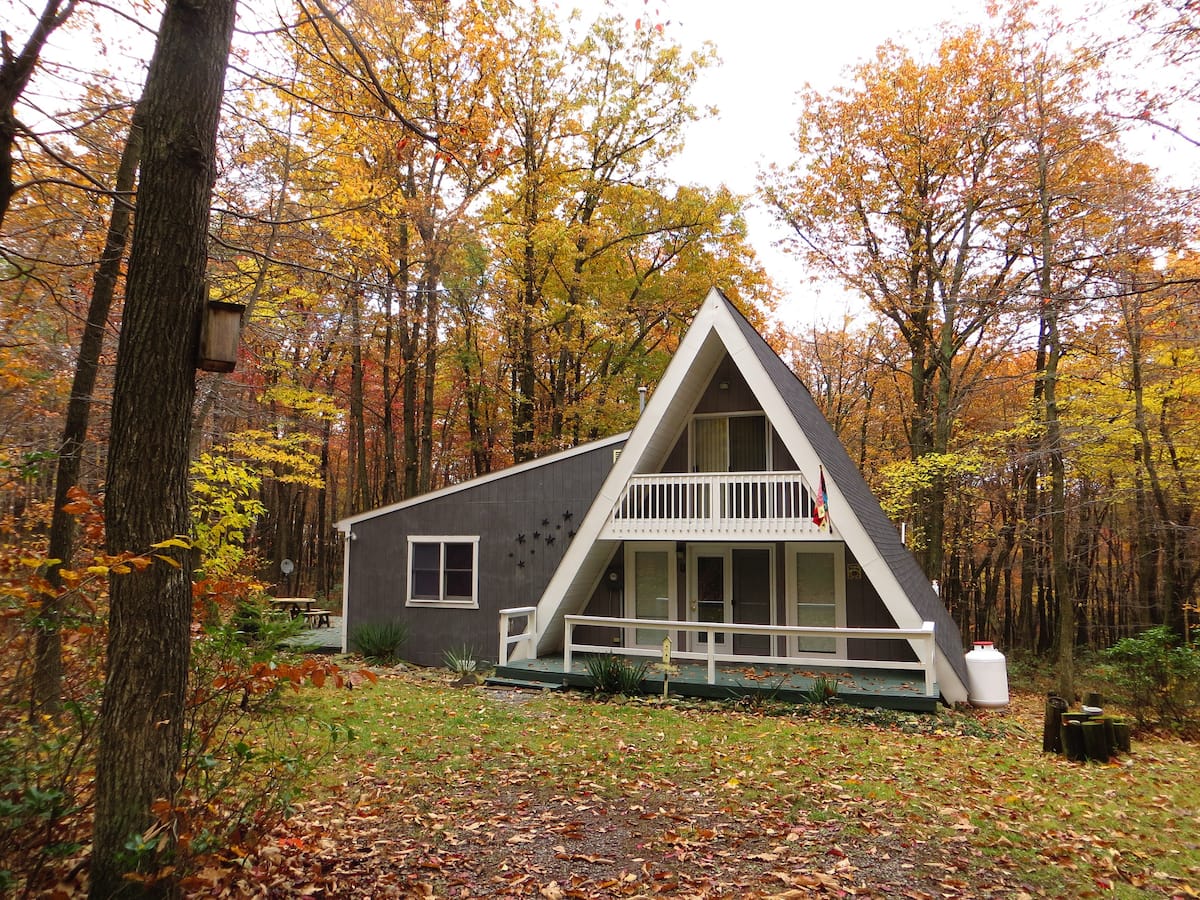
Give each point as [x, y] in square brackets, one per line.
[921, 639]
[713, 505]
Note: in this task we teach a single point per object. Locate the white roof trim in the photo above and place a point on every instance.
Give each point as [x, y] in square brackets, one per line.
[348, 522]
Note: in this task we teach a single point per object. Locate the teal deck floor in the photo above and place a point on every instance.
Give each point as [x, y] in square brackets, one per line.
[889, 688]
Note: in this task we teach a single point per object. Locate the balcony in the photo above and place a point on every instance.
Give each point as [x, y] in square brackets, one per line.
[714, 506]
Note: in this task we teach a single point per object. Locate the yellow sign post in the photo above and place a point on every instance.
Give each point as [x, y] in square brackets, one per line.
[666, 664]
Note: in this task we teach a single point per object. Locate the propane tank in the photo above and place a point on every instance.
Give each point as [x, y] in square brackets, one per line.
[987, 676]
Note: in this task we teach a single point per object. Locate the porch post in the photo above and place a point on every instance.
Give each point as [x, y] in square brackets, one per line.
[930, 658]
[712, 656]
[568, 637]
[503, 656]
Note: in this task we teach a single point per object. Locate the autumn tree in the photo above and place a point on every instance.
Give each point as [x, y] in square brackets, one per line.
[48, 660]
[896, 191]
[1071, 192]
[422, 149]
[587, 229]
[141, 723]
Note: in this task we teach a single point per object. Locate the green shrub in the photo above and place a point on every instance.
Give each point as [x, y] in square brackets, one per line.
[1158, 676]
[255, 627]
[611, 674]
[240, 772]
[380, 642]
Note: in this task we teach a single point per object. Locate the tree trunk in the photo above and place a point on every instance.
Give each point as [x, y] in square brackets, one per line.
[429, 284]
[391, 475]
[323, 579]
[360, 490]
[141, 721]
[47, 675]
[1060, 572]
[1030, 500]
[524, 374]
[15, 72]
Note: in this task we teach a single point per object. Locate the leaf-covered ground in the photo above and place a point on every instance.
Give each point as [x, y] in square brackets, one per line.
[472, 792]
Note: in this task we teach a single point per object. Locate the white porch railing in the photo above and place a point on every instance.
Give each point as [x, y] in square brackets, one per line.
[677, 506]
[921, 639]
[529, 635]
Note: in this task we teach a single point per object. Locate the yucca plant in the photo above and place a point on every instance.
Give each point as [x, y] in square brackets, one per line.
[823, 690]
[460, 660]
[611, 674]
[380, 642]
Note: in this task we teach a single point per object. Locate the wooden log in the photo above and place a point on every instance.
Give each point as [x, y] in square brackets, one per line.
[1121, 735]
[1110, 735]
[1052, 725]
[1072, 739]
[1095, 741]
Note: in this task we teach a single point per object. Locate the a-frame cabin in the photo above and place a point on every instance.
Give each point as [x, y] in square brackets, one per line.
[701, 526]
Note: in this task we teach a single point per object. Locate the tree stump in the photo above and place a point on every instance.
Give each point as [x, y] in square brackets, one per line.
[1095, 740]
[1052, 725]
[1072, 739]
[1121, 737]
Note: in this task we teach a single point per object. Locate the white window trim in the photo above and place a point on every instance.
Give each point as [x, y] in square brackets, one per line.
[442, 540]
[791, 550]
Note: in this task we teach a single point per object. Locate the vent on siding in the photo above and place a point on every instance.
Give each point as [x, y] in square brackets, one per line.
[616, 455]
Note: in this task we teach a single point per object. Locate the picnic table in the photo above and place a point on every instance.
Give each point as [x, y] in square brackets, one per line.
[294, 606]
[304, 606]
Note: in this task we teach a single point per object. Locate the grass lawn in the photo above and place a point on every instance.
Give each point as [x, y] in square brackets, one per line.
[472, 792]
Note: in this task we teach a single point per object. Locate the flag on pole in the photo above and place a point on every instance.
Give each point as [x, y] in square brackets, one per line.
[820, 515]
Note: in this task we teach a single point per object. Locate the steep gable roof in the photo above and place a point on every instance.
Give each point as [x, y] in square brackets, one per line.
[719, 329]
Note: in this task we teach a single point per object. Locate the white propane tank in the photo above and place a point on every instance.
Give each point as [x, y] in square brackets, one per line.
[987, 676]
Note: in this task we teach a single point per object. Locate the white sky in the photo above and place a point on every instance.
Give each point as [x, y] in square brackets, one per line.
[772, 48]
[769, 50]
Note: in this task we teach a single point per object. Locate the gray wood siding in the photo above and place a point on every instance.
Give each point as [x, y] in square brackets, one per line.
[543, 505]
[608, 599]
[865, 609]
[736, 397]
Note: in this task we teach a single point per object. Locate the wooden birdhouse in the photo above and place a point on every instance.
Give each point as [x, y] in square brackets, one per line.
[219, 336]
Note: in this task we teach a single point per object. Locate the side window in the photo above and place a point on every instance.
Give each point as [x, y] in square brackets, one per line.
[443, 571]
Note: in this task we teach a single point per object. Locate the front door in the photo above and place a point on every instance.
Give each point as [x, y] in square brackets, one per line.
[711, 594]
[753, 598]
[731, 584]
[649, 587]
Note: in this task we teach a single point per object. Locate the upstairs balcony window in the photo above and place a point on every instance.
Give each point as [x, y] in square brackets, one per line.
[738, 443]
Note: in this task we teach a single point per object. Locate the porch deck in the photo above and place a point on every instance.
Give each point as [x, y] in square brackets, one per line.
[874, 687]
